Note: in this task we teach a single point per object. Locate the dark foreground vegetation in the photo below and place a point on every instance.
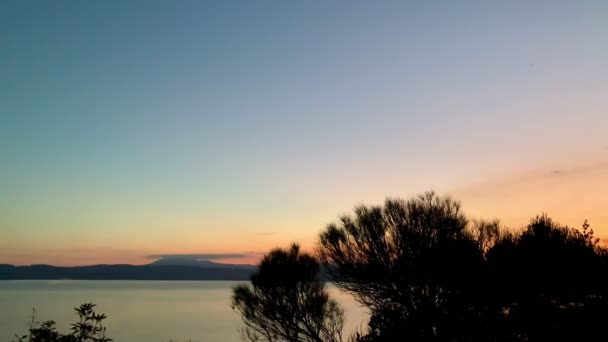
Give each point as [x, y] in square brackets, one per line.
[426, 273]
[88, 328]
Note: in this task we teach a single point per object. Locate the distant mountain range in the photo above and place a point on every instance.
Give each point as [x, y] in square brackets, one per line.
[162, 269]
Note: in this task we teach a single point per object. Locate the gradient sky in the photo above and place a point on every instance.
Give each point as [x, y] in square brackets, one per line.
[138, 128]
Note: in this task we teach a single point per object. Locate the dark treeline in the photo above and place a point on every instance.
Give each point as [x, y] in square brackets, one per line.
[428, 273]
[127, 272]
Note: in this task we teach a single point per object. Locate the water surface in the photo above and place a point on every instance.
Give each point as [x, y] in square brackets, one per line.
[138, 311]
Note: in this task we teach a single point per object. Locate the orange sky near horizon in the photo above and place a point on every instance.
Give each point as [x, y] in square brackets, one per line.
[197, 127]
[568, 195]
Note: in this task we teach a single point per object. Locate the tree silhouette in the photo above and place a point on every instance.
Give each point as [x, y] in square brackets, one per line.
[550, 283]
[427, 273]
[287, 302]
[414, 263]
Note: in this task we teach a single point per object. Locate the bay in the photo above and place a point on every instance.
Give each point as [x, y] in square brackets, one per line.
[139, 311]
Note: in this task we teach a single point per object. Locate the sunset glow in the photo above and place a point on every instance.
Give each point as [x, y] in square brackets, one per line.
[210, 128]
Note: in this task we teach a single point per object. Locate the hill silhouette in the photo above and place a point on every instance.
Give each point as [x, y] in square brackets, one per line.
[192, 261]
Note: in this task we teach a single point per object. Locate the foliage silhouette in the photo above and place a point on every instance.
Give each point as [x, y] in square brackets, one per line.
[88, 328]
[549, 282]
[287, 302]
[413, 263]
[427, 273]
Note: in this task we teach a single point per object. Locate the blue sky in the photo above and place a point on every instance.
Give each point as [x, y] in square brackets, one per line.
[155, 127]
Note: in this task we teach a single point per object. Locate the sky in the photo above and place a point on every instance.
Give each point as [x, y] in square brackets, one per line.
[131, 129]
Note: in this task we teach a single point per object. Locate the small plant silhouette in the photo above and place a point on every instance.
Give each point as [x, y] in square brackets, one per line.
[89, 328]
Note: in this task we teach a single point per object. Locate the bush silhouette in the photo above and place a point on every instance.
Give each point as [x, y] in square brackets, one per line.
[88, 328]
[549, 282]
[413, 263]
[287, 302]
[427, 273]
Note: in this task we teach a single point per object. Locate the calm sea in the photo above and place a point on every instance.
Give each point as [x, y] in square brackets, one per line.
[138, 311]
